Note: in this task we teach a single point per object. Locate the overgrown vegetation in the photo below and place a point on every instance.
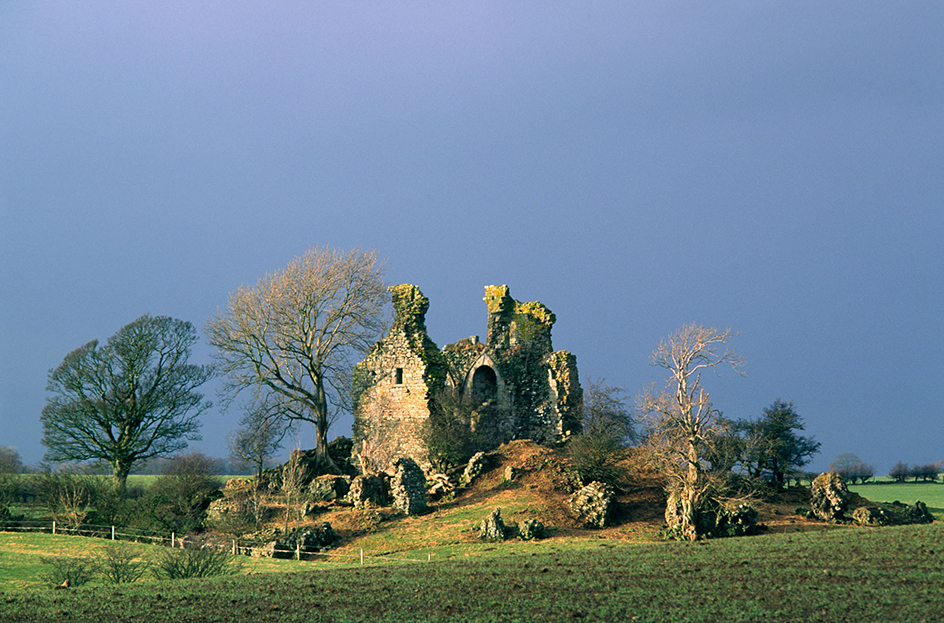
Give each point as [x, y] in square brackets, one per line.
[176, 501]
[447, 433]
[599, 451]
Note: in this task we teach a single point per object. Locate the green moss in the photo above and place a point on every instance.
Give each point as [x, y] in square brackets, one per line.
[498, 299]
[536, 311]
[410, 306]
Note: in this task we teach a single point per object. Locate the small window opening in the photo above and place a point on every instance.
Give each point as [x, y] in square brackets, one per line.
[399, 376]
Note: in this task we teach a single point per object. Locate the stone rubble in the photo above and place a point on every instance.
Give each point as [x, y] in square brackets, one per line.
[593, 504]
[329, 487]
[408, 487]
[369, 491]
[439, 486]
[830, 497]
[531, 530]
[493, 527]
[476, 467]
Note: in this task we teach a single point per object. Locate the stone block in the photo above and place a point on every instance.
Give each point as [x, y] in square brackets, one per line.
[592, 505]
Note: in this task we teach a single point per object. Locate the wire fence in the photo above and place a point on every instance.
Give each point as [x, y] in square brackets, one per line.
[234, 546]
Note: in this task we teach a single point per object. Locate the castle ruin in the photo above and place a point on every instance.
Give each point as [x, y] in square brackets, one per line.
[514, 385]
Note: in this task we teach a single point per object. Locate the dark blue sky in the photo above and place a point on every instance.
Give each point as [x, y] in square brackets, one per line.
[776, 168]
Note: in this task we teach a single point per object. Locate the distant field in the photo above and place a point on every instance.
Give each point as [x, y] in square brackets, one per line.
[146, 480]
[931, 493]
[894, 574]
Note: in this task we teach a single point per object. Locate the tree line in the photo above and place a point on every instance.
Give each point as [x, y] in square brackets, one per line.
[928, 472]
[12, 463]
[174, 501]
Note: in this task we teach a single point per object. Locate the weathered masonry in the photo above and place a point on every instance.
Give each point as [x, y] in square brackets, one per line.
[514, 385]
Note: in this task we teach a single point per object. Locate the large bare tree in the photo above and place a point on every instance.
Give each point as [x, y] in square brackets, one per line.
[294, 336]
[681, 420]
[127, 401]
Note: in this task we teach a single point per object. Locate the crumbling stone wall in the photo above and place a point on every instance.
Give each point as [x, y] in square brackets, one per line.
[396, 382]
[408, 487]
[516, 385]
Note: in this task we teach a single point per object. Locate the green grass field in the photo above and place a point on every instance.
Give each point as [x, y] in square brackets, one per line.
[21, 554]
[833, 574]
[931, 493]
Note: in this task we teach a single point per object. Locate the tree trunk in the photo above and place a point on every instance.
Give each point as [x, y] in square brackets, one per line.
[120, 476]
[683, 503]
[323, 462]
[690, 493]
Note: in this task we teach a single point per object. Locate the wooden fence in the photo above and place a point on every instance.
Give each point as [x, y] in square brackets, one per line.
[233, 545]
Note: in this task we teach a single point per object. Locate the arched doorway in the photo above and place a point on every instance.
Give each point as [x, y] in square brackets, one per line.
[484, 385]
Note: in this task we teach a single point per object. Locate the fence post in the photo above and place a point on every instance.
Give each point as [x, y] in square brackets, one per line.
[54, 527]
[113, 533]
[429, 557]
[234, 547]
[172, 539]
[298, 550]
[362, 555]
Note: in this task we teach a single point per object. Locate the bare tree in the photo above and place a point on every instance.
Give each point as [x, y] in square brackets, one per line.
[259, 438]
[852, 468]
[294, 334]
[926, 472]
[900, 471]
[130, 400]
[681, 420]
[10, 462]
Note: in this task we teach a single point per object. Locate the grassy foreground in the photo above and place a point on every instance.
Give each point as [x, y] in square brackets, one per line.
[847, 574]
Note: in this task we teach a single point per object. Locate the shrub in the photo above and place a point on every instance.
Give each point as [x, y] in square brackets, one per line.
[67, 495]
[120, 565]
[202, 561]
[69, 571]
[238, 513]
[447, 433]
[111, 507]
